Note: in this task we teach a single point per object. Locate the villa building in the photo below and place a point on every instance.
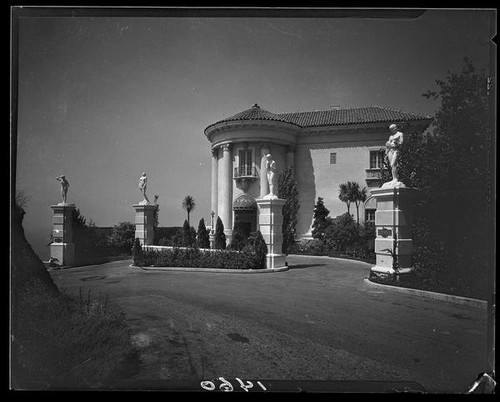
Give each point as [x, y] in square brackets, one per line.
[326, 148]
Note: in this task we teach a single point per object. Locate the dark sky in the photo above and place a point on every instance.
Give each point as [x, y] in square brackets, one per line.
[102, 99]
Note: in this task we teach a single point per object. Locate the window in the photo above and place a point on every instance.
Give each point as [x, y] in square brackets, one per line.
[376, 159]
[370, 215]
[333, 158]
[245, 162]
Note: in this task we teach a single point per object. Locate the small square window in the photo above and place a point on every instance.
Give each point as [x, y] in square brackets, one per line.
[376, 159]
[333, 158]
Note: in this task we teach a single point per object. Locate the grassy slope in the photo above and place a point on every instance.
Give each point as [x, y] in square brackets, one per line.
[59, 342]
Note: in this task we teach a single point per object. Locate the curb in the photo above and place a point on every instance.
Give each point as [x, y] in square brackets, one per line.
[464, 301]
[215, 270]
[332, 258]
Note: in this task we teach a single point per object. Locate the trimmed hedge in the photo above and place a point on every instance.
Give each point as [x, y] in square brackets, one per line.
[196, 258]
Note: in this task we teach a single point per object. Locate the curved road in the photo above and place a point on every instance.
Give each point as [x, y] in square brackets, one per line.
[318, 320]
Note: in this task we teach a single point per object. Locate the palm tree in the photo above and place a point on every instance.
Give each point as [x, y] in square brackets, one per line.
[351, 192]
[188, 204]
[346, 194]
[359, 196]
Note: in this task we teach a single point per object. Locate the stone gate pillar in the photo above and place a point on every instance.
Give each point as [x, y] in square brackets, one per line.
[393, 242]
[62, 246]
[144, 223]
[270, 225]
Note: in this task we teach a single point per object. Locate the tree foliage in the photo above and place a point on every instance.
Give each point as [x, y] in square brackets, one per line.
[341, 232]
[238, 240]
[287, 190]
[220, 237]
[137, 253]
[345, 194]
[351, 192]
[202, 236]
[188, 235]
[189, 204]
[259, 247]
[320, 219]
[452, 166]
[122, 236]
[89, 245]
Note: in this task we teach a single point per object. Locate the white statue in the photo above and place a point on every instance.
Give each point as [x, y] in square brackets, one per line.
[392, 155]
[64, 188]
[143, 182]
[271, 175]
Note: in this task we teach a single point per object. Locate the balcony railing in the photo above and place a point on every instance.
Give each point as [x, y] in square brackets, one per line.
[241, 172]
[372, 177]
[372, 174]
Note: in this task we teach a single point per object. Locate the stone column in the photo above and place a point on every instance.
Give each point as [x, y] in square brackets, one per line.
[270, 225]
[393, 218]
[62, 246]
[215, 177]
[290, 156]
[224, 209]
[144, 223]
[264, 186]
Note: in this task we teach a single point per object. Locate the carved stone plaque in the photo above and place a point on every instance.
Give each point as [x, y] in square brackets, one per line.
[384, 232]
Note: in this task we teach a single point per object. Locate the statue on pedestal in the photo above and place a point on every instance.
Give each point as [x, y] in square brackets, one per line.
[64, 189]
[271, 176]
[392, 155]
[143, 182]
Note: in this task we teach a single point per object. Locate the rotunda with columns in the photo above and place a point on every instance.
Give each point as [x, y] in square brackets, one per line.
[240, 144]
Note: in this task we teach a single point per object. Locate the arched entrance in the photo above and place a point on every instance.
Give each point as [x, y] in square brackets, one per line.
[245, 214]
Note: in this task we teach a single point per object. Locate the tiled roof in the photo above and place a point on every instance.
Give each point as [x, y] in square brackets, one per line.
[341, 117]
[254, 113]
[331, 117]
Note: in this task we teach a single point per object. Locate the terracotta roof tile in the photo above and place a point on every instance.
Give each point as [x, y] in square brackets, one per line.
[341, 117]
[331, 117]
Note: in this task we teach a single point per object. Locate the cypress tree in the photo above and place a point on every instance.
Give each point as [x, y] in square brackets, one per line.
[203, 239]
[220, 237]
[320, 220]
[287, 190]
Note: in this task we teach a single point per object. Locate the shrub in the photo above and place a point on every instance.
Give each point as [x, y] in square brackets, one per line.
[287, 190]
[137, 253]
[220, 237]
[238, 241]
[165, 235]
[320, 220]
[196, 258]
[341, 233]
[310, 247]
[259, 247]
[122, 236]
[188, 235]
[164, 242]
[202, 237]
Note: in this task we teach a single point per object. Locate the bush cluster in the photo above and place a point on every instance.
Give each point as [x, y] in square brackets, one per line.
[252, 256]
[341, 236]
[196, 258]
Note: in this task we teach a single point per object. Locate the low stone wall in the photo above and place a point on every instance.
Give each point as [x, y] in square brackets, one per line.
[159, 248]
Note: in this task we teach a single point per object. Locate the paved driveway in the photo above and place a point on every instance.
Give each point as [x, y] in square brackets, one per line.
[317, 320]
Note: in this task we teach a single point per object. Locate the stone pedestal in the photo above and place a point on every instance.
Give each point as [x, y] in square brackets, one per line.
[144, 223]
[62, 246]
[393, 218]
[270, 225]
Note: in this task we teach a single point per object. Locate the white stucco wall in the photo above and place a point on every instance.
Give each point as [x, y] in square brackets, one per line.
[316, 177]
